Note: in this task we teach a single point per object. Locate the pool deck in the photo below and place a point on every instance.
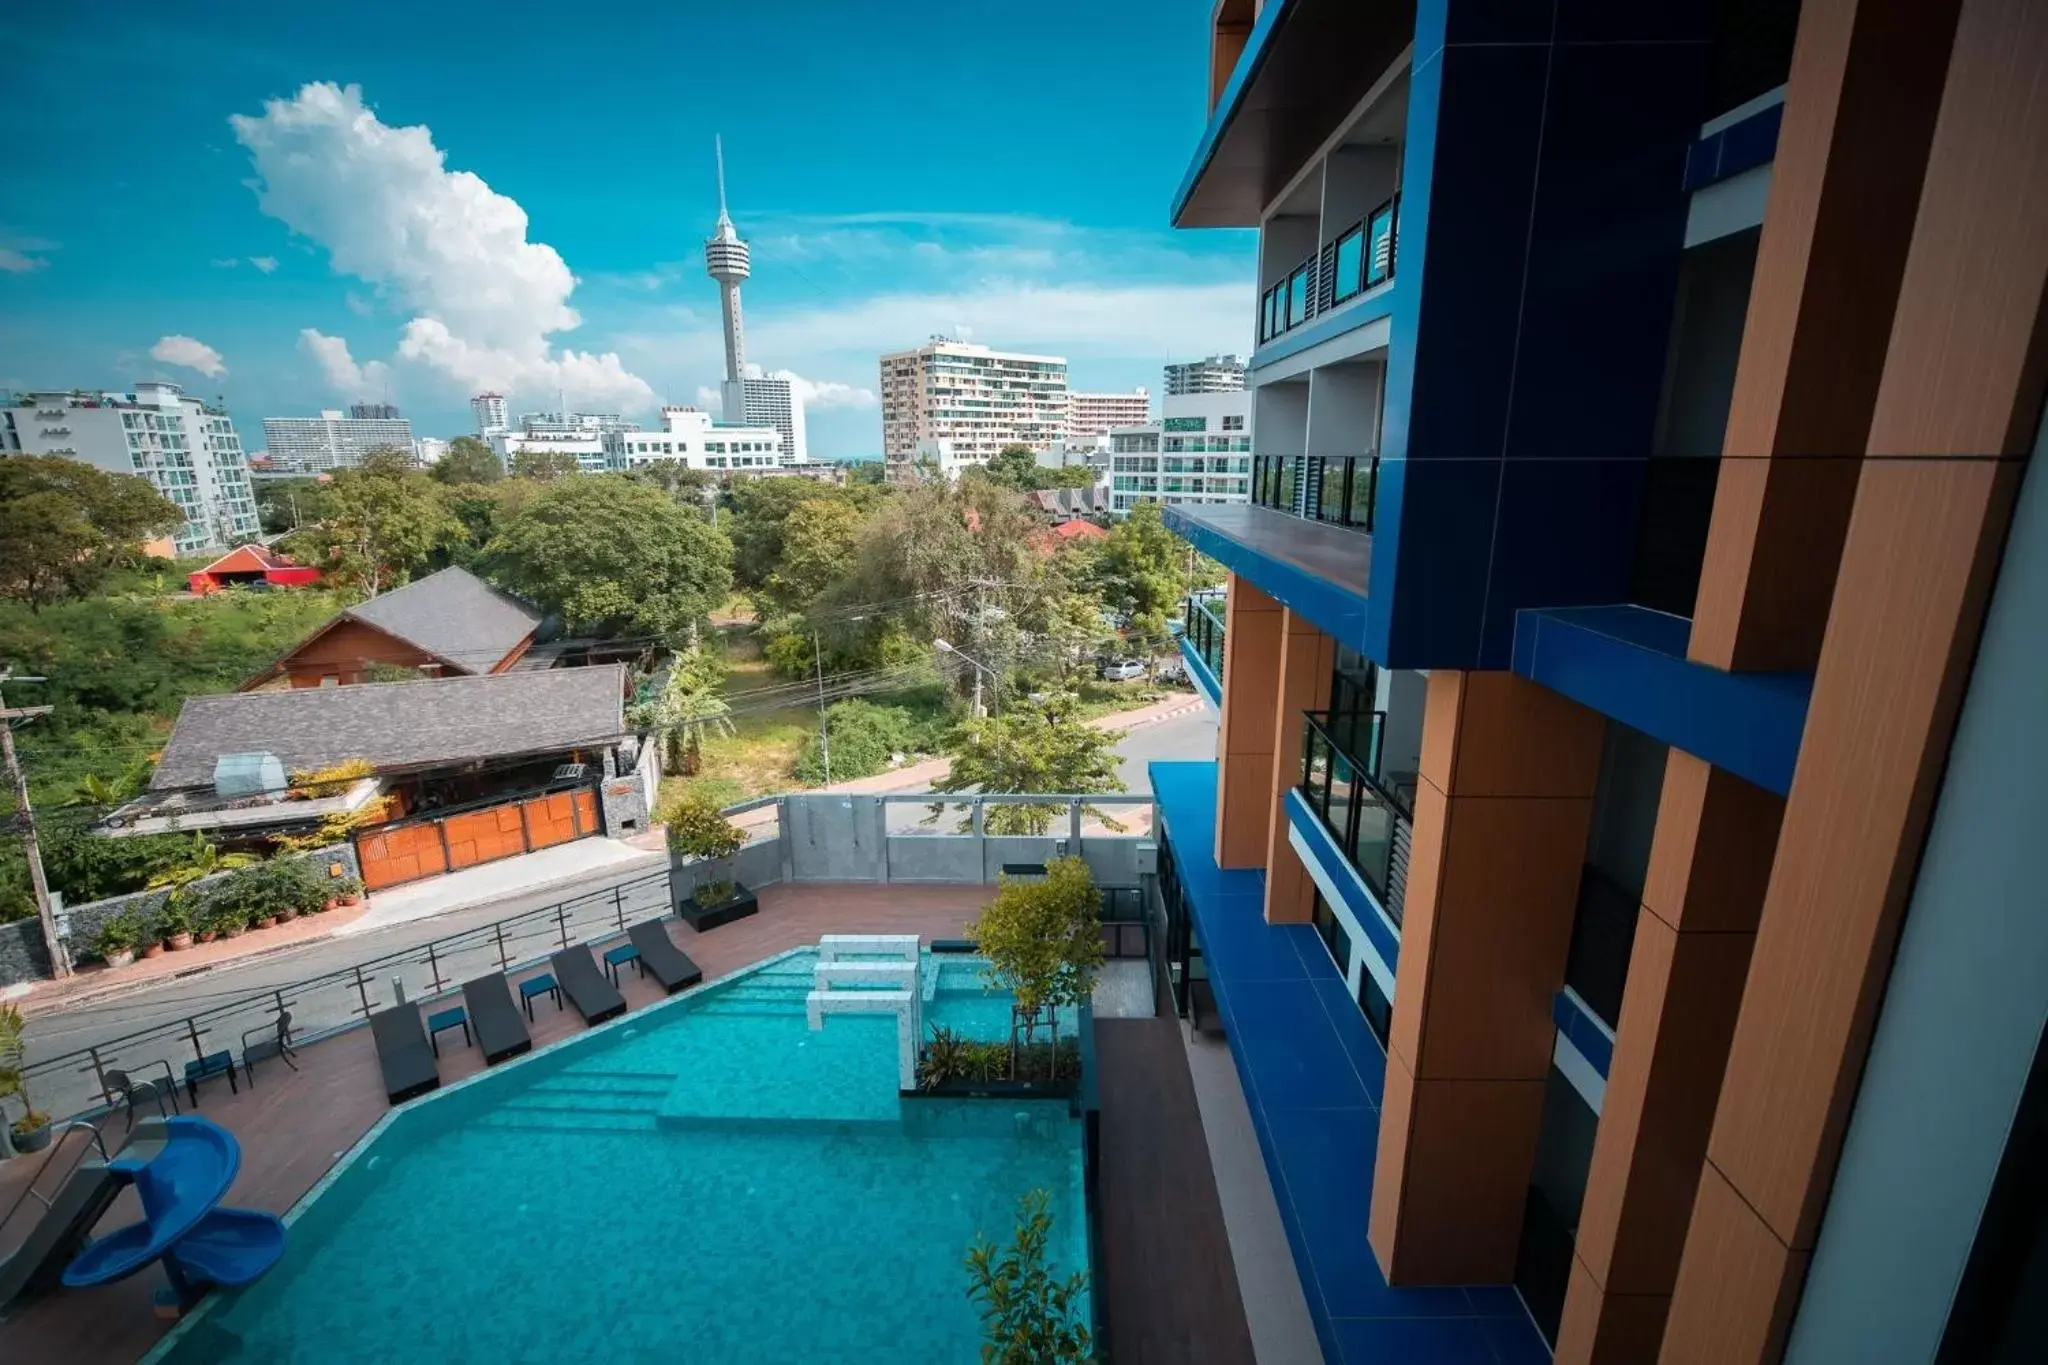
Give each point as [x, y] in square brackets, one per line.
[293, 1126]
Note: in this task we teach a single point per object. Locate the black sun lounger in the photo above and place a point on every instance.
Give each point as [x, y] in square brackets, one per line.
[658, 954]
[403, 1053]
[595, 998]
[500, 1031]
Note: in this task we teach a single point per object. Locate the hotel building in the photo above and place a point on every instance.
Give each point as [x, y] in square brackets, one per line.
[1614, 880]
[974, 399]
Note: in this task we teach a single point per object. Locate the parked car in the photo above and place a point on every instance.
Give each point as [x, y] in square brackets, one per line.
[1122, 670]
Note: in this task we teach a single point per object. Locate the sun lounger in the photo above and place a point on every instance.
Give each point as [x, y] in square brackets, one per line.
[595, 998]
[500, 1031]
[670, 965]
[402, 1052]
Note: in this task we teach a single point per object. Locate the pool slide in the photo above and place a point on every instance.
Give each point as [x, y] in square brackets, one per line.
[201, 1244]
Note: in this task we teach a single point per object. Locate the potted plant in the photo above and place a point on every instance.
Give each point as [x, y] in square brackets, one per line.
[115, 941]
[30, 1132]
[149, 934]
[176, 925]
[351, 890]
[1043, 942]
[233, 921]
[701, 843]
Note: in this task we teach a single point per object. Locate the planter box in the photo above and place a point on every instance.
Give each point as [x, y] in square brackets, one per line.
[701, 917]
[997, 1090]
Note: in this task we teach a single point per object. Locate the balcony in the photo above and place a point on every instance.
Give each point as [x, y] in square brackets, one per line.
[1359, 258]
[1338, 490]
[1369, 813]
[1317, 569]
[1202, 644]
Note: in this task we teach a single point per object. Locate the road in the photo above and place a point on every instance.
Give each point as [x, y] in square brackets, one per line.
[168, 1000]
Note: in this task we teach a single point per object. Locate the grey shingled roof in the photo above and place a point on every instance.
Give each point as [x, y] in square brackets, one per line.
[453, 614]
[398, 725]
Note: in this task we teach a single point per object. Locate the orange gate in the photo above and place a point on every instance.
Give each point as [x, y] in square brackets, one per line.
[425, 848]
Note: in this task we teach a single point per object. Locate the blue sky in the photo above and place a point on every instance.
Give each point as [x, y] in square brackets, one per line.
[296, 206]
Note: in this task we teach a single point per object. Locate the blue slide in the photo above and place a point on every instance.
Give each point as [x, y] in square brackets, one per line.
[201, 1244]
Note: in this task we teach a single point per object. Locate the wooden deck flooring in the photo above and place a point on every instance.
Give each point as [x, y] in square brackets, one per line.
[293, 1126]
[1171, 1285]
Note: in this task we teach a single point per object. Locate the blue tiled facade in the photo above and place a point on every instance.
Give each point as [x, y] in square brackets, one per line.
[1312, 1074]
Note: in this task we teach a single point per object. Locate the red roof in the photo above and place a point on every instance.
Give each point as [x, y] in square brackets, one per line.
[1079, 530]
[248, 559]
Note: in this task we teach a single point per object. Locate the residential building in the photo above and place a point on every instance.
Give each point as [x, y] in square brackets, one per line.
[1613, 883]
[747, 397]
[581, 434]
[372, 412]
[975, 399]
[1215, 374]
[1200, 451]
[188, 449]
[320, 445]
[689, 437]
[488, 410]
[1092, 414]
[428, 450]
[448, 624]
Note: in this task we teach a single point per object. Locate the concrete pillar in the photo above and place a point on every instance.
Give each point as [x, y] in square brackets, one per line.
[1307, 657]
[1503, 809]
[1955, 413]
[1709, 863]
[1252, 627]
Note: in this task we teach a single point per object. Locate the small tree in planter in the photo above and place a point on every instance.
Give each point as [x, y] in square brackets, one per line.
[1028, 1316]
[30, 1132]
[115, 941]
[702, 839]
[149, 934]
[1043, 942]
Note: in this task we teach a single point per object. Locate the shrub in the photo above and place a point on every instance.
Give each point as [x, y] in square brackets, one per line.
[333, 780]
[1028, 1316]
[117, 935]
[91, 867]
[696, 829]
[1043, 939]
[864, 738]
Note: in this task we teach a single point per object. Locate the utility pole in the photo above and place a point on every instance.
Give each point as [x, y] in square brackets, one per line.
[60, 962]
[824, 729]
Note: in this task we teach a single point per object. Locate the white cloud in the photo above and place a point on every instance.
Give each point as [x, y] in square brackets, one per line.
[440, 243]
[340, 369]
[19, 262]
[826, 393]
[16, 249]
[190, 353]
[226, 262]
[266, 264]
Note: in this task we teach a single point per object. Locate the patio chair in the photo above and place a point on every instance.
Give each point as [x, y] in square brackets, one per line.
[500, 1032]
[271, 1040]
[124, 1089]
[221, 1063]
[670, 965]
[403, 1054]
[595, 998]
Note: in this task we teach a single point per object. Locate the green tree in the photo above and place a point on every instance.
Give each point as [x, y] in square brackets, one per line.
[1141, 567]
[1043, 941]
[676, 479]
[820, 538]
[1068, 476]
[1028, 1316]
[287, 504]
[688, 711]
[1014, 467]
[382, 521]
[467, 460]
[544, 466]
[64, 526]
[1030, 746]
[614, 556]
[760, 507]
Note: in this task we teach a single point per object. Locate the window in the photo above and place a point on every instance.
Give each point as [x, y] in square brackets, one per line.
[1233, 423]
[1333, 934]
[1378, 1010]
[1350, 263]
[1297, 297]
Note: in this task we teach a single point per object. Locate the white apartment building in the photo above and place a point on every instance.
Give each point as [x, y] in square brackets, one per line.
[1092, 414]
[317, 445]
[1214, 374]
[490, 413]
[188, 449]
[974, 399]
[429, 449]
[759, 402]
[581, 434]
[689, 437]
[1199, 451]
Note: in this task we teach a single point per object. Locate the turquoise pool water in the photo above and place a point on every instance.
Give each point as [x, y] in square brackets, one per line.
[709, 1181]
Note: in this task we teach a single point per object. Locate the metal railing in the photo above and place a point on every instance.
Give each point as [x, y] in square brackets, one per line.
[1340, 759]
[1359, 258]
[58, 1132]
[1340, 490]
[1204, 615]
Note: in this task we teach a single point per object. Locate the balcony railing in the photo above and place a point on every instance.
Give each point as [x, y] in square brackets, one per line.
[1341, 490]
[1205, 629]
[1359, 258]
[1341, 782]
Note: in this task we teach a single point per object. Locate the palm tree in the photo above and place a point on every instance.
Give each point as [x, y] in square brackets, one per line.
[200, 861]
[688, 710]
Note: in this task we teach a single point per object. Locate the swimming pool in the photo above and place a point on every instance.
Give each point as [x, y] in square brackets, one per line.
[706, 1180]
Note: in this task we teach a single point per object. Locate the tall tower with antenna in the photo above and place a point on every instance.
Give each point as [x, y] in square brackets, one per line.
[725, 260]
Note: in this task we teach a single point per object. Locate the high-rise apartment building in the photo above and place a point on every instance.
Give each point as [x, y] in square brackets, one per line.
[1093, 414]
[746, 396]
[185, 447]
[974, 399]
[331, 441]
[1628, 919]
[770, 402]
[1216, 374]
[489, 412]
[1199, 451]
[365, 412]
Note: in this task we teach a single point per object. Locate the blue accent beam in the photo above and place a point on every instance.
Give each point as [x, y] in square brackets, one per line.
[1629, 664]
[1198, 669]
[1358, 897]
[1316, 571]
[1368, 308]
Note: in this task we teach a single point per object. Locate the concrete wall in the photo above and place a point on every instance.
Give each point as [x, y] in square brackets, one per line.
[21, 944]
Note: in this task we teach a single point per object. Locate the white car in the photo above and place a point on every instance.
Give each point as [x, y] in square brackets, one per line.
[1122, 670]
